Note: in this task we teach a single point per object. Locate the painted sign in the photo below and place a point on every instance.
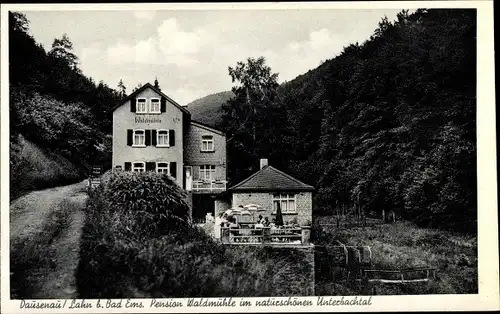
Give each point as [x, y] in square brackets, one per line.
[96, 171]
[147, 120]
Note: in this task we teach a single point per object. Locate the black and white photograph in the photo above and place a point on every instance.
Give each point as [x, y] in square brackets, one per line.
[264, 154]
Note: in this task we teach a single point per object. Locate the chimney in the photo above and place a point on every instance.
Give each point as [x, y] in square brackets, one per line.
[263, 163]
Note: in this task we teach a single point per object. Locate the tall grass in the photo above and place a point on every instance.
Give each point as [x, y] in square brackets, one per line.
[137, 241]
[403, 245]
[33, 169]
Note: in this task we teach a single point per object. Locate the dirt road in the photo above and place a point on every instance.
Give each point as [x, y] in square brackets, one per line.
[45, 229]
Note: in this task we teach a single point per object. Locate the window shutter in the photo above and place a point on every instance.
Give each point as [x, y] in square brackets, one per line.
[130, 137]
[148, 137]
[163, 104]
[151, 166]
[173, 169]
[171, 137]
[132, 104]
[128, 166]
[153, 137]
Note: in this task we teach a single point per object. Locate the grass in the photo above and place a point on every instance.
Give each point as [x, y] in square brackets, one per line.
[33, 169]
[403, 245]
[31, 257]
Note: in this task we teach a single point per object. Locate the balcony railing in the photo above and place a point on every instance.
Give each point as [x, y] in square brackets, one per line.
[209, 186]
[266, 235]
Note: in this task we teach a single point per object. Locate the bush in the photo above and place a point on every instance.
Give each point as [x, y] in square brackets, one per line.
[33, 169]
[138, 241]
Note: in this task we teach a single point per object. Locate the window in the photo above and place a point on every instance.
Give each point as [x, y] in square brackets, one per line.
[154, 105]
[162, 138]
[207, 172]
[207, 143]
[162, 167]
[287, 202]
[139, 138]
[141, 106]
[139, 166]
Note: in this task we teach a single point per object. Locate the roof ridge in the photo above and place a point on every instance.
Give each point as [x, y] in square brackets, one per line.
[271, 168]
[247, 179]
[290, 177]
[143, 87]
[207, 126]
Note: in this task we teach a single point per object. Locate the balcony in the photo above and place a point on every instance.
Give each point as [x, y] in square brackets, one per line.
[213, 186]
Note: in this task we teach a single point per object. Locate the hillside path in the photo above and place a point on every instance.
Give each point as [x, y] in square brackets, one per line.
[45, 230]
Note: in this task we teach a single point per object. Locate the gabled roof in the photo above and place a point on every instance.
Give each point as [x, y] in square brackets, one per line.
[271, 179]
[207, 127]
[148, 85]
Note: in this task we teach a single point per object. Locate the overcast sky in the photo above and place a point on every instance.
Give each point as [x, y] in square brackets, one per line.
[190, 51]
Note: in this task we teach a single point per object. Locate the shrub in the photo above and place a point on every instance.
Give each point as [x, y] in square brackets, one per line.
[32, 168]
[152, 202]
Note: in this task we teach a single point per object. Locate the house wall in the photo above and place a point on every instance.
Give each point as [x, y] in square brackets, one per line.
[124, 119]
[303, 204]
[194, 156]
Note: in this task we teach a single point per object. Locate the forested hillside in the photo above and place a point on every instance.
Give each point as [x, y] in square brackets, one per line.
[208, 109]
[54, 106]
[391, 121]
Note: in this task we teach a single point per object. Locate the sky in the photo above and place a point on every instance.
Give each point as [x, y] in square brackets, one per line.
[189, 51]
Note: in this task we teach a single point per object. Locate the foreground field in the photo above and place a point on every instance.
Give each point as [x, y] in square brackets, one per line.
[403, 245]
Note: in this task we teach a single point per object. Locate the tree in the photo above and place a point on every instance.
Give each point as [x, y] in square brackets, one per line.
[254, 92]
[18, 22]
[63, 49]
[122, 90]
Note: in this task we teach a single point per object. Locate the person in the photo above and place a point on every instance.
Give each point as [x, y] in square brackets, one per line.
[266, 222]
[260, 222]
[217, 226]
[224, 222]
[273, 224]
[232, 223]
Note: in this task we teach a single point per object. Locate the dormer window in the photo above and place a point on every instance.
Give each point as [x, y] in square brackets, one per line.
[154, 105]
[207, 143]
[141, 106]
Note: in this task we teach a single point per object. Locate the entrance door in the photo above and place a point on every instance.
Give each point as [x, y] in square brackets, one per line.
[188, 177]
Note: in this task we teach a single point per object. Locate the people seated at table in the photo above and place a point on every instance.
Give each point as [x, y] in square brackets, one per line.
[266, 222]
[232, 223]
[273, 224]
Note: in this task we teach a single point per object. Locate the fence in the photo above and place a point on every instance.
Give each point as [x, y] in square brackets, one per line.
[411, 275]
[266, 235]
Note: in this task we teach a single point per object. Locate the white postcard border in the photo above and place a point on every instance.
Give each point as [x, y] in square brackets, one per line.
[488, 272]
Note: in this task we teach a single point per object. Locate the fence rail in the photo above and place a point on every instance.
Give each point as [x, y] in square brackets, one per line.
[266, 235]
[209, 186]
